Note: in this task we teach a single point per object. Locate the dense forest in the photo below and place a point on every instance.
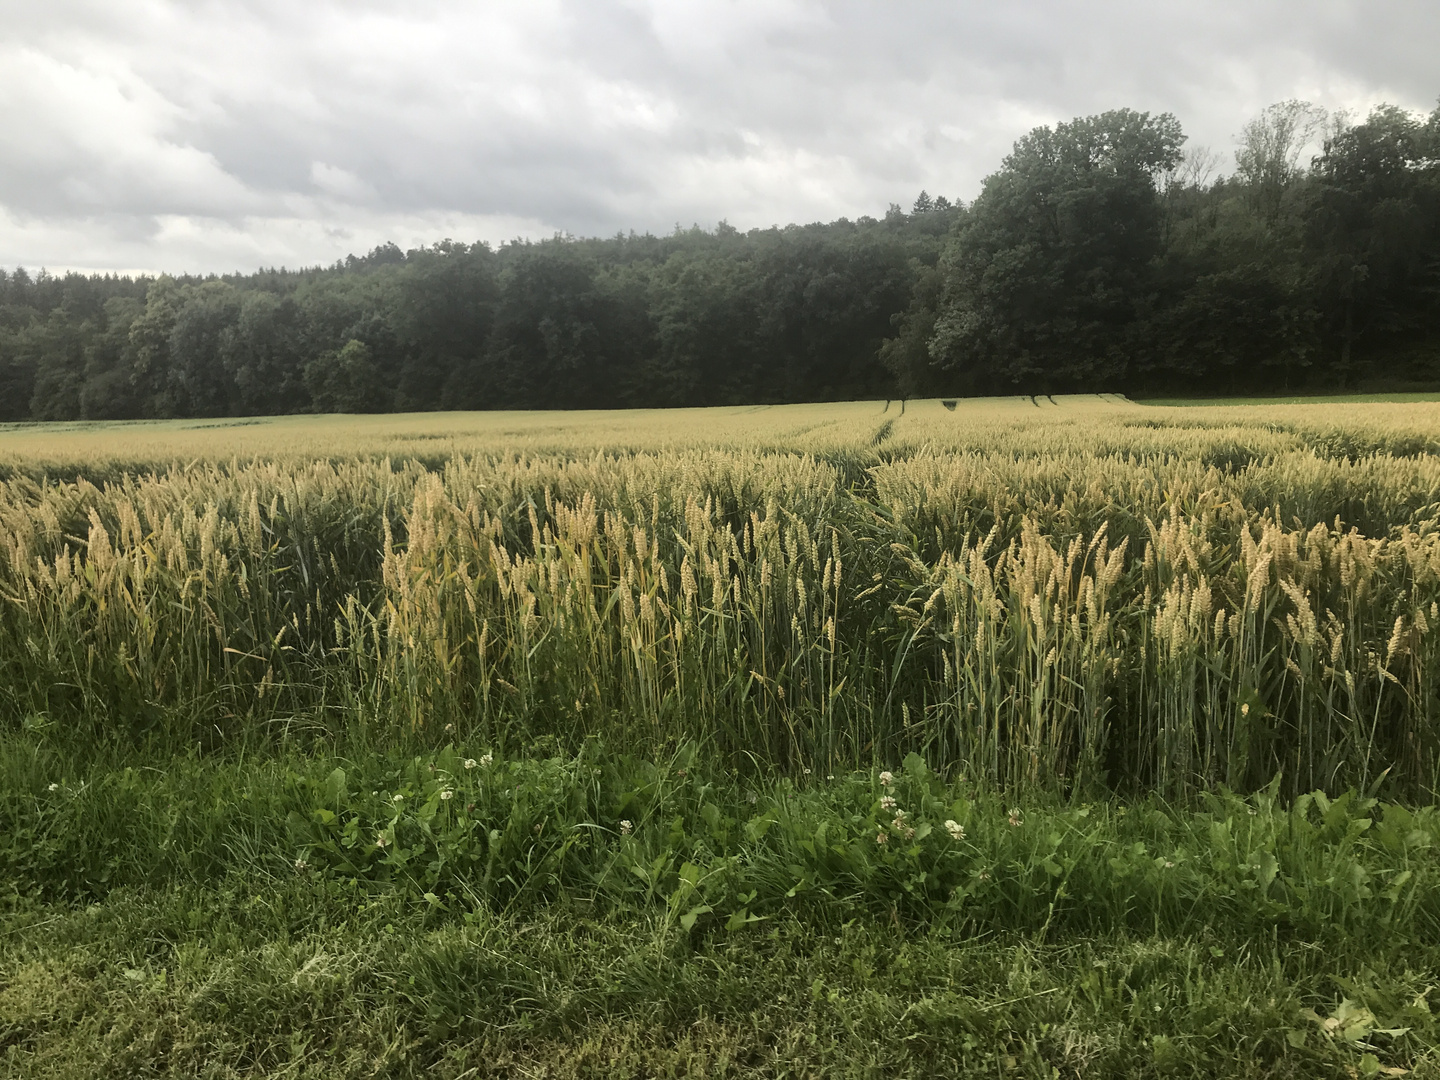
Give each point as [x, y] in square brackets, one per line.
[1101, 256]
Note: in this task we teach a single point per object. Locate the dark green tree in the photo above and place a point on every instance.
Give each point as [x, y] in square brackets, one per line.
[1050, 269]
[346, 381]
[1376, 235]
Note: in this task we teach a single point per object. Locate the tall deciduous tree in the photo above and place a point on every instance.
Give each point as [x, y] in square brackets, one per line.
[1377, 230]
[1268, 159]
[1049, 270]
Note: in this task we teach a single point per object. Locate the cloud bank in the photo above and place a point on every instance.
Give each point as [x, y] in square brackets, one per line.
[221, 136]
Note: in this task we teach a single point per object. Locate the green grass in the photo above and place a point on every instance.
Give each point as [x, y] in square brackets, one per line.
[289, 980]
[208, 917]
[1280, 399]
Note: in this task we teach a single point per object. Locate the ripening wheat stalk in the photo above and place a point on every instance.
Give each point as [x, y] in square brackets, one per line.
[1102, 599]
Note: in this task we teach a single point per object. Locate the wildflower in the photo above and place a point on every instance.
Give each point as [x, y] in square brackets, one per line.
[1245, 709]
[955, 829]
[882, 839]
[380, 841]
[887, 778]
[397, 797]
[887, 802]
[1015, 818]
[445, 796]
[1169, 865]
[487, 760]
[625, 827]
[470, 763]
[301, 866]
[830, 776]
[536, 829]
[53, 787]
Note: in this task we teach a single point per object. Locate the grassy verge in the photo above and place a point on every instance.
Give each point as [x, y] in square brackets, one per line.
[227, 981]
[605, 916]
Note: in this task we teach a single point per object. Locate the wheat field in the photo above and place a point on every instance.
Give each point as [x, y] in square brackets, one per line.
[1075, 594]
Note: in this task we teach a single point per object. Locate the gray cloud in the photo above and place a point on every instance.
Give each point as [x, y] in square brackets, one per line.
[218, 136]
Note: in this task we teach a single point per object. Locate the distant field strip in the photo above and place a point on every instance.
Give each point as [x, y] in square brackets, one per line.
[1086, 595]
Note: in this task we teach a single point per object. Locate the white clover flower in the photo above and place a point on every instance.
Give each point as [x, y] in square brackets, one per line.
[626, 826]
[301, 866]
[1016, 818]
[887, 802]
[881, 838]
[830, 776]
[1245, 709]
[445, 796]
[470, 763]
[53, 787]
[887, 778]
[955, 829]
[380, 841]
[397, 797]
[487, 760]
[1169, 865]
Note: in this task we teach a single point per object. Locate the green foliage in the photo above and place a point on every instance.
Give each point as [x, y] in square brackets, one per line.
[699, 850]
[698, 318]
[1046, 270]
[1095, 258]
[344, 381]
[237, 916]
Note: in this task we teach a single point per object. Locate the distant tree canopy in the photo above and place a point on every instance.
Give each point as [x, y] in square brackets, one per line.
[1100, 256]
[1050, 270]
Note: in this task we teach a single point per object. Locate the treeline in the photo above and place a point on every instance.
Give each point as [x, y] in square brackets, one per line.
[1100, 256]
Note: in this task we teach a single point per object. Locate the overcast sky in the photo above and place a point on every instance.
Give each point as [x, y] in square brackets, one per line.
[218, 136]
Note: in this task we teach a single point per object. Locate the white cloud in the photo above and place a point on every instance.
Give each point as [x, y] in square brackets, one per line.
[221, 136]
[341, 184]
